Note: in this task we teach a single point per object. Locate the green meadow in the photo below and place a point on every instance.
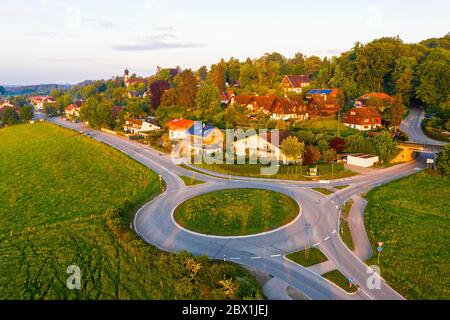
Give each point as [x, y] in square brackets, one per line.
[412, 217]
[66, 199]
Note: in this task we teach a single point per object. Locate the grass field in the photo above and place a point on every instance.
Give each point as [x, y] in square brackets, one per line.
[66, 199]
[308, 257]
[330, 125]
[285, 172]
[345, 234]
[324, 191]
[412, 217]
[191, 181]
[340, 280]
[237, 212]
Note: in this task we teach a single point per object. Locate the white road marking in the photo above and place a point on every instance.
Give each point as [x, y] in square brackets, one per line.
[316, 244]
[337, 207]
[256, 258]
[327, 238]
[276, 255]
[235, 258]
[334, 231]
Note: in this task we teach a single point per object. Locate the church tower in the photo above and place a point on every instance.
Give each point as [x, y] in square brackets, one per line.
[126, 77]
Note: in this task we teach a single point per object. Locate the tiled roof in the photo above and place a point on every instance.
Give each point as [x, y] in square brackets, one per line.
[180, 124]
[358, 115]
[375, 95]
[243, 99]
[297, 80]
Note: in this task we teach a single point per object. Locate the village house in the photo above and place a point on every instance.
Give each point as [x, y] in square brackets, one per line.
[5, 104]
[289, 108]
[178, 128]
[39, 101]
[204, 138]
[295, 83]
[363, 119]
[226, 97]
[377, 98]
[262, 146]
[73, 110]
[323, 102]
[139, 127]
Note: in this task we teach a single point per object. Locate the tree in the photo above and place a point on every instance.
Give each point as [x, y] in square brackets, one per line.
[186, 86]
[136, 107]
[26, 113]
[384, 146]
[292, 148]
[404, 76]
[207, 102]
[329, 155]
[157, 88]
[434, 78]
[306, 136]
[397, 111]
[50, 109]
[202, 73]
[219, 76]
[169, 98]
[338, 144]
[443, 161]
[9, 116]
[312, 155]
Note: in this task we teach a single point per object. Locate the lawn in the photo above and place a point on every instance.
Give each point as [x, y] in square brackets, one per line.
[318, 125]
[237, 212]
[412, 217]
[285, 172]
[324, 191]
[307, 257]
[191, 181]
[341, 187]
[346, 236]
[340, 280]
[66, 199]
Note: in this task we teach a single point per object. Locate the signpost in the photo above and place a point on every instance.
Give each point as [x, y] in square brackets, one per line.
[379, 249]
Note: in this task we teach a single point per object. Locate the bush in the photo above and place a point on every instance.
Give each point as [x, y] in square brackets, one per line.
[443, 161]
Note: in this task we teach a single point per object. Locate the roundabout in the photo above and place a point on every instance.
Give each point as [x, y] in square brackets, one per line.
[237, 212]
[265, 248]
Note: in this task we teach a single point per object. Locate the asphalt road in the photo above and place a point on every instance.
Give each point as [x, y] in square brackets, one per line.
[413, 126]
[316, 225]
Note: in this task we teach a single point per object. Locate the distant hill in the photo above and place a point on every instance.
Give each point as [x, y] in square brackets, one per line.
[42, 89]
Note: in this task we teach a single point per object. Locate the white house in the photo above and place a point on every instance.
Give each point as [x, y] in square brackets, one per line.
[362, 160]
[261, 146]
[178, 128]
[139, 127]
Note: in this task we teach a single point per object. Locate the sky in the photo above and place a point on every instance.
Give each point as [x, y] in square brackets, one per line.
[68, 41]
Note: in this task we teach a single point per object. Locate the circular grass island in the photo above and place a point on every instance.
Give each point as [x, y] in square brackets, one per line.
[236, 212]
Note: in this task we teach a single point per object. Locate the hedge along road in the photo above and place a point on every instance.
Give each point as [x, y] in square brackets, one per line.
[316, 227]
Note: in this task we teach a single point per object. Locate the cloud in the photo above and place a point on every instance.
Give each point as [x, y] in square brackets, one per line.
[52, 34]
[158, 42]
[100, 23]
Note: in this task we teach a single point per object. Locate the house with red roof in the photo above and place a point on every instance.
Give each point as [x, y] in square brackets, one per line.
[375, 98]
[178, 128]
[39, 101]
[295, 83]
[363, 119]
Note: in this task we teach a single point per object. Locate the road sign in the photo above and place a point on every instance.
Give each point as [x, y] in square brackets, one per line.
[380, 244]
[380, 249]
[430, 161]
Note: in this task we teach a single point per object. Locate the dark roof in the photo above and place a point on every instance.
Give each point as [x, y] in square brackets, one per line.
[198, 131]
[320, 91]
[297, 80]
